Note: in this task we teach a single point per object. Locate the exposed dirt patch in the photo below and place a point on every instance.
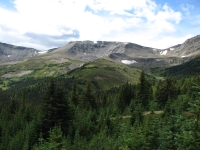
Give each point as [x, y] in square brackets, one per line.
[16, 74]
[155, 112]
[144, 114]
[99, 78]
[60, 61]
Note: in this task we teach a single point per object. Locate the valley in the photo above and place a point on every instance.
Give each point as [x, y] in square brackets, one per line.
[22, 62]
[100, 95]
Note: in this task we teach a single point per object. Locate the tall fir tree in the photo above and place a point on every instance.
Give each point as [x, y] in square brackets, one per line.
[189, 135]
[56, 110]
[166, 90]
[74, 96]
[88, 100]
[145, 93]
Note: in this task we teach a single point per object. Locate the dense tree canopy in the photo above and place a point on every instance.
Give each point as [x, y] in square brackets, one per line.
[65, 113]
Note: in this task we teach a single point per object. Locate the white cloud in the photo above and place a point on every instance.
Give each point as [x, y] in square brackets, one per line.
[120, 6]
[138, 21]
[168, 14]
[186, 8]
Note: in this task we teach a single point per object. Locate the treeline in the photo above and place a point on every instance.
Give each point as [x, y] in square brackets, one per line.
[62, 113]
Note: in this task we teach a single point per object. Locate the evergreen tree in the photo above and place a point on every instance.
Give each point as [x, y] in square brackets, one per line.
[166, 90]
[145, 93]
[136, 116]
[167, 134]
[74, 96]
[126, 94]
[152, 134]
[88, 100]
[56, 110]
[56, 141]
[189, 135]
[13, 107]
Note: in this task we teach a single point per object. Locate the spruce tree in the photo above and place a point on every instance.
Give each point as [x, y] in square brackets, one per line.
[74, 96]
[145, 93]
[88, 100]
[189, 135]
[166, 90]
[56, 110]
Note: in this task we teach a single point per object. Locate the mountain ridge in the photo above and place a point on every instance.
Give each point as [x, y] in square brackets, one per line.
[87, 51]
[11, 53]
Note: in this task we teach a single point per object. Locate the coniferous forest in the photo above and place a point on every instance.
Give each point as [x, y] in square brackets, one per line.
[67, 113]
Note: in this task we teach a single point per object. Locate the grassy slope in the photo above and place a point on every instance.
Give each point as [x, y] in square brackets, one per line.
[189, 68]
[106, 73]
[42, 66]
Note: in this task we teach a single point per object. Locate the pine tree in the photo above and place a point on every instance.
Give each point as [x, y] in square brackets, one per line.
[136, 116]
[56, 110]
[189, 135]
[152, 134]
[166, 90]
[88, 100]
[145, 93]
[54, 142]
[74, 96]
[13, 107]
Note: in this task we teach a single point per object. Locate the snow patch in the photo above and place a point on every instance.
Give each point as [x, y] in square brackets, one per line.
[158, 59]
[163, 52]
[42, 52]
[128, 62]
[171, 49]
[95, 42]
[183, 56]
[125, 43]
[8, 55]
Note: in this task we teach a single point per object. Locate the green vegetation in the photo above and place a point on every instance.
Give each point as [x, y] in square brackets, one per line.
[106, 74]
[100, 105]
[189, 68]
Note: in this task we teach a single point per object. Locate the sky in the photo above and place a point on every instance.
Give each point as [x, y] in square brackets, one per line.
[45, 24]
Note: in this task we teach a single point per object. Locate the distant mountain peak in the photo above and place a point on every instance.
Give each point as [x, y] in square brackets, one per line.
[114, 50]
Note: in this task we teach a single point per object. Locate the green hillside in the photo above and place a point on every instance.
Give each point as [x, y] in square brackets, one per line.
[36, 67]
[46, 104]
[186, 69]
[106, 73]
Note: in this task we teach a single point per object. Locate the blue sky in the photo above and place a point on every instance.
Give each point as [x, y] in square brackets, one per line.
[44, 24]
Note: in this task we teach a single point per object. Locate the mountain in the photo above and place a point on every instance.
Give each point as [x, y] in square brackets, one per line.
[106, 74]
[186, 69]
[10, 53]
[62, 60]
[130, 53]
[189, 48]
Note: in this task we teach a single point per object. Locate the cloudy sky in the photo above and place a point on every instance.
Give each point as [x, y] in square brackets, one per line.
[45, 24]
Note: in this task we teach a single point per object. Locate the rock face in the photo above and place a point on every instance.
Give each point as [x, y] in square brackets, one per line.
[88, 50]
[130, 53]
[122, 52]
[10, 53]
[189, 48]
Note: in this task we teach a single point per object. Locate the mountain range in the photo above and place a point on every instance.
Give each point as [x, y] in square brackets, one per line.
[128, 53]
[101, 61]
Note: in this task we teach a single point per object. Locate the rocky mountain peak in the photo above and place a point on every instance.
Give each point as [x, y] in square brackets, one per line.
[10, 53]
